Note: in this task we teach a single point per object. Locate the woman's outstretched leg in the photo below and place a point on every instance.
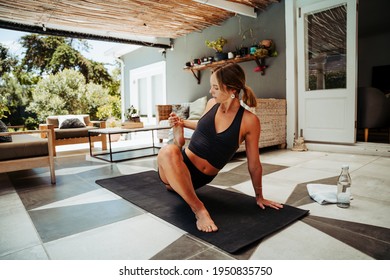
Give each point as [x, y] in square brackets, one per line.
[174, 172]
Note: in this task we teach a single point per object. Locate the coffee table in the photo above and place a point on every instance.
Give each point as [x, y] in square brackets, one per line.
[125, 153]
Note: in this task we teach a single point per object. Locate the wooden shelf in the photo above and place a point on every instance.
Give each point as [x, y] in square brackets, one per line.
[196, 70]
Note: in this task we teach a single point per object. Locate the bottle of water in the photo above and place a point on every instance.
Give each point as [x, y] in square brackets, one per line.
[344, 188]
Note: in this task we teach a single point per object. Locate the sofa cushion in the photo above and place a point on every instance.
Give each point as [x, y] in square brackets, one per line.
[23, 146]
[72, 123]
[197, 108]
[54, 120]
[72, 132]
[181, 110]
[3, 128]
[64, 118]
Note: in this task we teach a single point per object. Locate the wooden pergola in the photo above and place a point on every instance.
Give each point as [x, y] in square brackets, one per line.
[125, 21]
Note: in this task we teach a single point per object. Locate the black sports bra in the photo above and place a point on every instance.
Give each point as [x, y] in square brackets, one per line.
[217, 148]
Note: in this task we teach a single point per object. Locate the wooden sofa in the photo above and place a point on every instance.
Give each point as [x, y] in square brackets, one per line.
[271, 112]
[27, 151]
[70, 136]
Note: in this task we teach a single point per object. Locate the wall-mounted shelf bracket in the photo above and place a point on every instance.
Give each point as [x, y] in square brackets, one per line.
[196, 74]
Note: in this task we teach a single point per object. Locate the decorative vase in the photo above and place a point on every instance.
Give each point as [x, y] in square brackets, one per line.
[135, 119]
[253, 49]
[220, 56]
[244, 51]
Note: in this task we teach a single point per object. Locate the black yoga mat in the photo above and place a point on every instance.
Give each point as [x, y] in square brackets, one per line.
[240, 221]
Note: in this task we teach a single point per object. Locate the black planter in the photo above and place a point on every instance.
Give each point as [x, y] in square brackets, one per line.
[244, 51]
[220, 56]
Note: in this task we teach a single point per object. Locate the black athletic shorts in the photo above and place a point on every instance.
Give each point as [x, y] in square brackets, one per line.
[198, 178]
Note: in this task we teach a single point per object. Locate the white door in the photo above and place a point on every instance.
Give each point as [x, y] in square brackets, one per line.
[148, 88]
[326, 41]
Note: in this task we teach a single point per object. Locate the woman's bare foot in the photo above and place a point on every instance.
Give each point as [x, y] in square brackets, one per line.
[204, 221]
[178, 135]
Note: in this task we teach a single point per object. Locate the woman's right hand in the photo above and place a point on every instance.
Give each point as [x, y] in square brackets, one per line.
[174, 120]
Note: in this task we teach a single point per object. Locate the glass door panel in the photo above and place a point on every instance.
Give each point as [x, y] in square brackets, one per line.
[326, 48]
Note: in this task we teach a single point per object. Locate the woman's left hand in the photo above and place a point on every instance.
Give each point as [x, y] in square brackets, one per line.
[269, 203]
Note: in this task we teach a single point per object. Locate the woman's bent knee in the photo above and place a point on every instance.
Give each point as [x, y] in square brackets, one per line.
[169, 151]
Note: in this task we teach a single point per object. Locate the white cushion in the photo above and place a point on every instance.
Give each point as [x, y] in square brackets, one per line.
[197, 108]
[62, 118]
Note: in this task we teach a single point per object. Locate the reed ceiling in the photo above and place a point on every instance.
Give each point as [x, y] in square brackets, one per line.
[117, 19]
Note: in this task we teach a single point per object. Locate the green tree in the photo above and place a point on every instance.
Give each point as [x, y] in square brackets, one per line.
[64, 93]
[11, 91]
[3, 107]
[14, 97]
[7, 61]
[39, 51]
[36, 81]
[51, 54]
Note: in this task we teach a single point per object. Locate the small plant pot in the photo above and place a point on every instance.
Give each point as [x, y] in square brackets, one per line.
[244, 51]
[220, 56]
[135, 119]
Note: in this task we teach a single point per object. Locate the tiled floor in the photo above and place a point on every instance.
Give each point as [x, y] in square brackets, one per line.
[77, 219]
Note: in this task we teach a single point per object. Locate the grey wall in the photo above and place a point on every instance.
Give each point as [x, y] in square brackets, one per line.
[183, 87]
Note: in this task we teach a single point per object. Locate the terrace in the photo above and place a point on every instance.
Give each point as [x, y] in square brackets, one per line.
[77, 219]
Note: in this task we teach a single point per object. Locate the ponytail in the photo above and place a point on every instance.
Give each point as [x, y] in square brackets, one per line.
[249, 97]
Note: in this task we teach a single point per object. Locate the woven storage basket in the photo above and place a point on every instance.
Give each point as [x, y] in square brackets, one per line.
[272, 116]
[163, 112]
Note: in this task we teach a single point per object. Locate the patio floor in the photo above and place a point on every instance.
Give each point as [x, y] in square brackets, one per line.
[77, 219]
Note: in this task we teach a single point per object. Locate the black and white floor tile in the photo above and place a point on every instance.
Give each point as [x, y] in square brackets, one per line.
[77, 219]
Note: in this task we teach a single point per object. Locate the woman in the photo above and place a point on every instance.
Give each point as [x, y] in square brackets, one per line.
[224, 125]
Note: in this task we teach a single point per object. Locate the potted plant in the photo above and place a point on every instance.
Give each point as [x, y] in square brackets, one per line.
[247, 34]
[218, 45]
[266, 49]
[132, 118]
[132, 114]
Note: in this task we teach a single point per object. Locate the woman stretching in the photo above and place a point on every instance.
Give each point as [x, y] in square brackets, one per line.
[224, 125]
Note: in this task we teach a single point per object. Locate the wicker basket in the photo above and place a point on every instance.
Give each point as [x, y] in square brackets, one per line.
[272, 115]
[163, 112]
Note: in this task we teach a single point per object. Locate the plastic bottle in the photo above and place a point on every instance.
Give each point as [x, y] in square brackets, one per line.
[344, 188]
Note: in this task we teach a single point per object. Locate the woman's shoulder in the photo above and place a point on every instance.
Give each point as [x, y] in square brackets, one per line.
[250, 117]
[211, 102]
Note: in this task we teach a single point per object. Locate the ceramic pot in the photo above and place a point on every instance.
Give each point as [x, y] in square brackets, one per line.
[244, 51]
[220, 56]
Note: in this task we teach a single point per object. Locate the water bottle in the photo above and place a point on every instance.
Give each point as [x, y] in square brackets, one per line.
[344, 188]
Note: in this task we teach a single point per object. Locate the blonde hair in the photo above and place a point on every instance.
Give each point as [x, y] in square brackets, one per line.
[233, 77]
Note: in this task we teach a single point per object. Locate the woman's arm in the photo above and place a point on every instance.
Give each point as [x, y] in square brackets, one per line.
[193, 123]
[190, 123]
[252, 150]
[255, 168]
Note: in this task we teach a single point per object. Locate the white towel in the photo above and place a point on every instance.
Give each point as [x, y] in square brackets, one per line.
[322, 193]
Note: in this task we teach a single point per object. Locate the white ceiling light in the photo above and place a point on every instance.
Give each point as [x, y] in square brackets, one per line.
[230, 6]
